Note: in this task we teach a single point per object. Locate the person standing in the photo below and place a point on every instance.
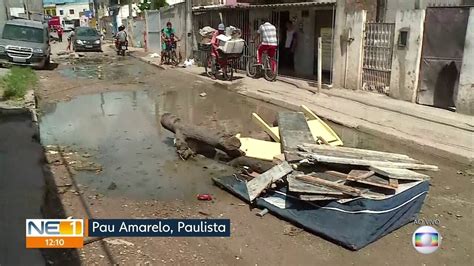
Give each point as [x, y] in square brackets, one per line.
[60, 33]
[289, 46]
[215, 48]
[70, 39]
[269, 42]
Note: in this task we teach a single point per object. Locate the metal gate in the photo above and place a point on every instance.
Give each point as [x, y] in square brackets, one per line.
[377, 63]
[237, 18]
[441, 56]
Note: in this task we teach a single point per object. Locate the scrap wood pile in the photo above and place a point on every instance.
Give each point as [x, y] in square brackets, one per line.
[305, 175]
[310, 160]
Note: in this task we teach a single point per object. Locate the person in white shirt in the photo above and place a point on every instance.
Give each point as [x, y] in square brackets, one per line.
[269, 42]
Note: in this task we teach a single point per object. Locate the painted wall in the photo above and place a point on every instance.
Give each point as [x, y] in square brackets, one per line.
[340, 47]
[465, 97]
[393, 6]
[406, 60]
[77, 7]
[176, 14]
[355, 25]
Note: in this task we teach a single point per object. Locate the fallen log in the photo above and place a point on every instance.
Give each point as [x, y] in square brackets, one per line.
[185, 132]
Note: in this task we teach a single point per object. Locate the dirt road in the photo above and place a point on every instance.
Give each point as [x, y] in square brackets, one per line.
[107, 108]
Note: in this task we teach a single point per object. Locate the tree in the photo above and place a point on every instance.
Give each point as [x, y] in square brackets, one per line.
[151, 4]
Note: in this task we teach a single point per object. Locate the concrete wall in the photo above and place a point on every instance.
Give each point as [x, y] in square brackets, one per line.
[406, 60]
[393, 6]
[339, 46]
[76, 7]
[465, 97]
[176, 14]
[355, 25]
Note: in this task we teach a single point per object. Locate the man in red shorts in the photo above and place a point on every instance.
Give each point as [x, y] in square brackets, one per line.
[269, 42]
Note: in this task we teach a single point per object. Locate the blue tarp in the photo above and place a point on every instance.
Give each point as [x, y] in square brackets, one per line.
[353, 224]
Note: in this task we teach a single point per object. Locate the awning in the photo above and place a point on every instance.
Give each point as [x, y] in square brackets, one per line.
[247, 6]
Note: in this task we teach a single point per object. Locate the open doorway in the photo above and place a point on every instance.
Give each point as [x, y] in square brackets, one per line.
[286, 64]
[324, 26]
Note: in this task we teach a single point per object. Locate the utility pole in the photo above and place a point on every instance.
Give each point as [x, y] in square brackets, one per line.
[130, 10]
[189, 29]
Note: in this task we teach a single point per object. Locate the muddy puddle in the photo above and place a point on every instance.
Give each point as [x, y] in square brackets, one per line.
[121, 132]
[110, 69]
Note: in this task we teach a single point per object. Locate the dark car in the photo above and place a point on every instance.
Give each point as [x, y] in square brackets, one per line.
[25, 42]
[87, 39]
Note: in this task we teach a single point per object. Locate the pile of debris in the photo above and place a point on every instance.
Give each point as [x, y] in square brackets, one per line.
[315, 182]
[61, 155]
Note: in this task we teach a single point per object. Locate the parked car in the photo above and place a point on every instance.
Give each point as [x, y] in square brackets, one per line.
[25, 42]
[87, 39]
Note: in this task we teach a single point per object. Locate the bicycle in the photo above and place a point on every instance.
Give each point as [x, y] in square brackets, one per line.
[255, 69]
[171, 55]
[222, 64]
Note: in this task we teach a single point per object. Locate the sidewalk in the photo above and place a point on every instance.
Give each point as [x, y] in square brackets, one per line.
[442, 133]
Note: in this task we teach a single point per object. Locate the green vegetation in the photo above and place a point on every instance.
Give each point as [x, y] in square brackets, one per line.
[17, 82]
[152, 5]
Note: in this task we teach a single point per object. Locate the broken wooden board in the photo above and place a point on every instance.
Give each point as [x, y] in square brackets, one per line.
[319, 128]
[368, 178]
[321, 182]
[353, 153]
[360, 174]
[395, 173]
[271, 131]
[346, 150]
[365, 162]
[293, 131]
[259, 149]
[261, 182]
[393, 182]
[295, 185]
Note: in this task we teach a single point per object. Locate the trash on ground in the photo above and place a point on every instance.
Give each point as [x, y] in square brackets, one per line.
[348, 195]
[204, 197]
[203, 94]
[154, 55]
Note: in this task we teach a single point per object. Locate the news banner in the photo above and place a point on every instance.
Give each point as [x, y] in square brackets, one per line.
[70, 233]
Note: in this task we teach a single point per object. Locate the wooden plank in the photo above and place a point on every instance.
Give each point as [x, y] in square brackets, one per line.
[293, 131]
[372, 181]
[313, 148]
[336, 173]
[393, 182]
[259, 121]
[363, 162]
[396, 173]
[360, 174]
[295, 185]
[261, 182]
[319, 128]
[259, 149]
[321, 150]
[319, 181]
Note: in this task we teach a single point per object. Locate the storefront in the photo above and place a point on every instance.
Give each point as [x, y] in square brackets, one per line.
[308, 20]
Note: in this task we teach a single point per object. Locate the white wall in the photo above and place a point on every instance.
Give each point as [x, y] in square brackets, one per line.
[465, 97]
[76, 7]
[406, 60]
[355, 24]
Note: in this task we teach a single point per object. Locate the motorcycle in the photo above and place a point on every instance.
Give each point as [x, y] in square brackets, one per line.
[121, 47]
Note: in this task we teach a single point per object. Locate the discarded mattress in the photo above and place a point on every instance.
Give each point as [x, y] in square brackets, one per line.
[353, 224]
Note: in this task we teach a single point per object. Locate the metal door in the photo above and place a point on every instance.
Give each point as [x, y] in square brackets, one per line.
[443, 47]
